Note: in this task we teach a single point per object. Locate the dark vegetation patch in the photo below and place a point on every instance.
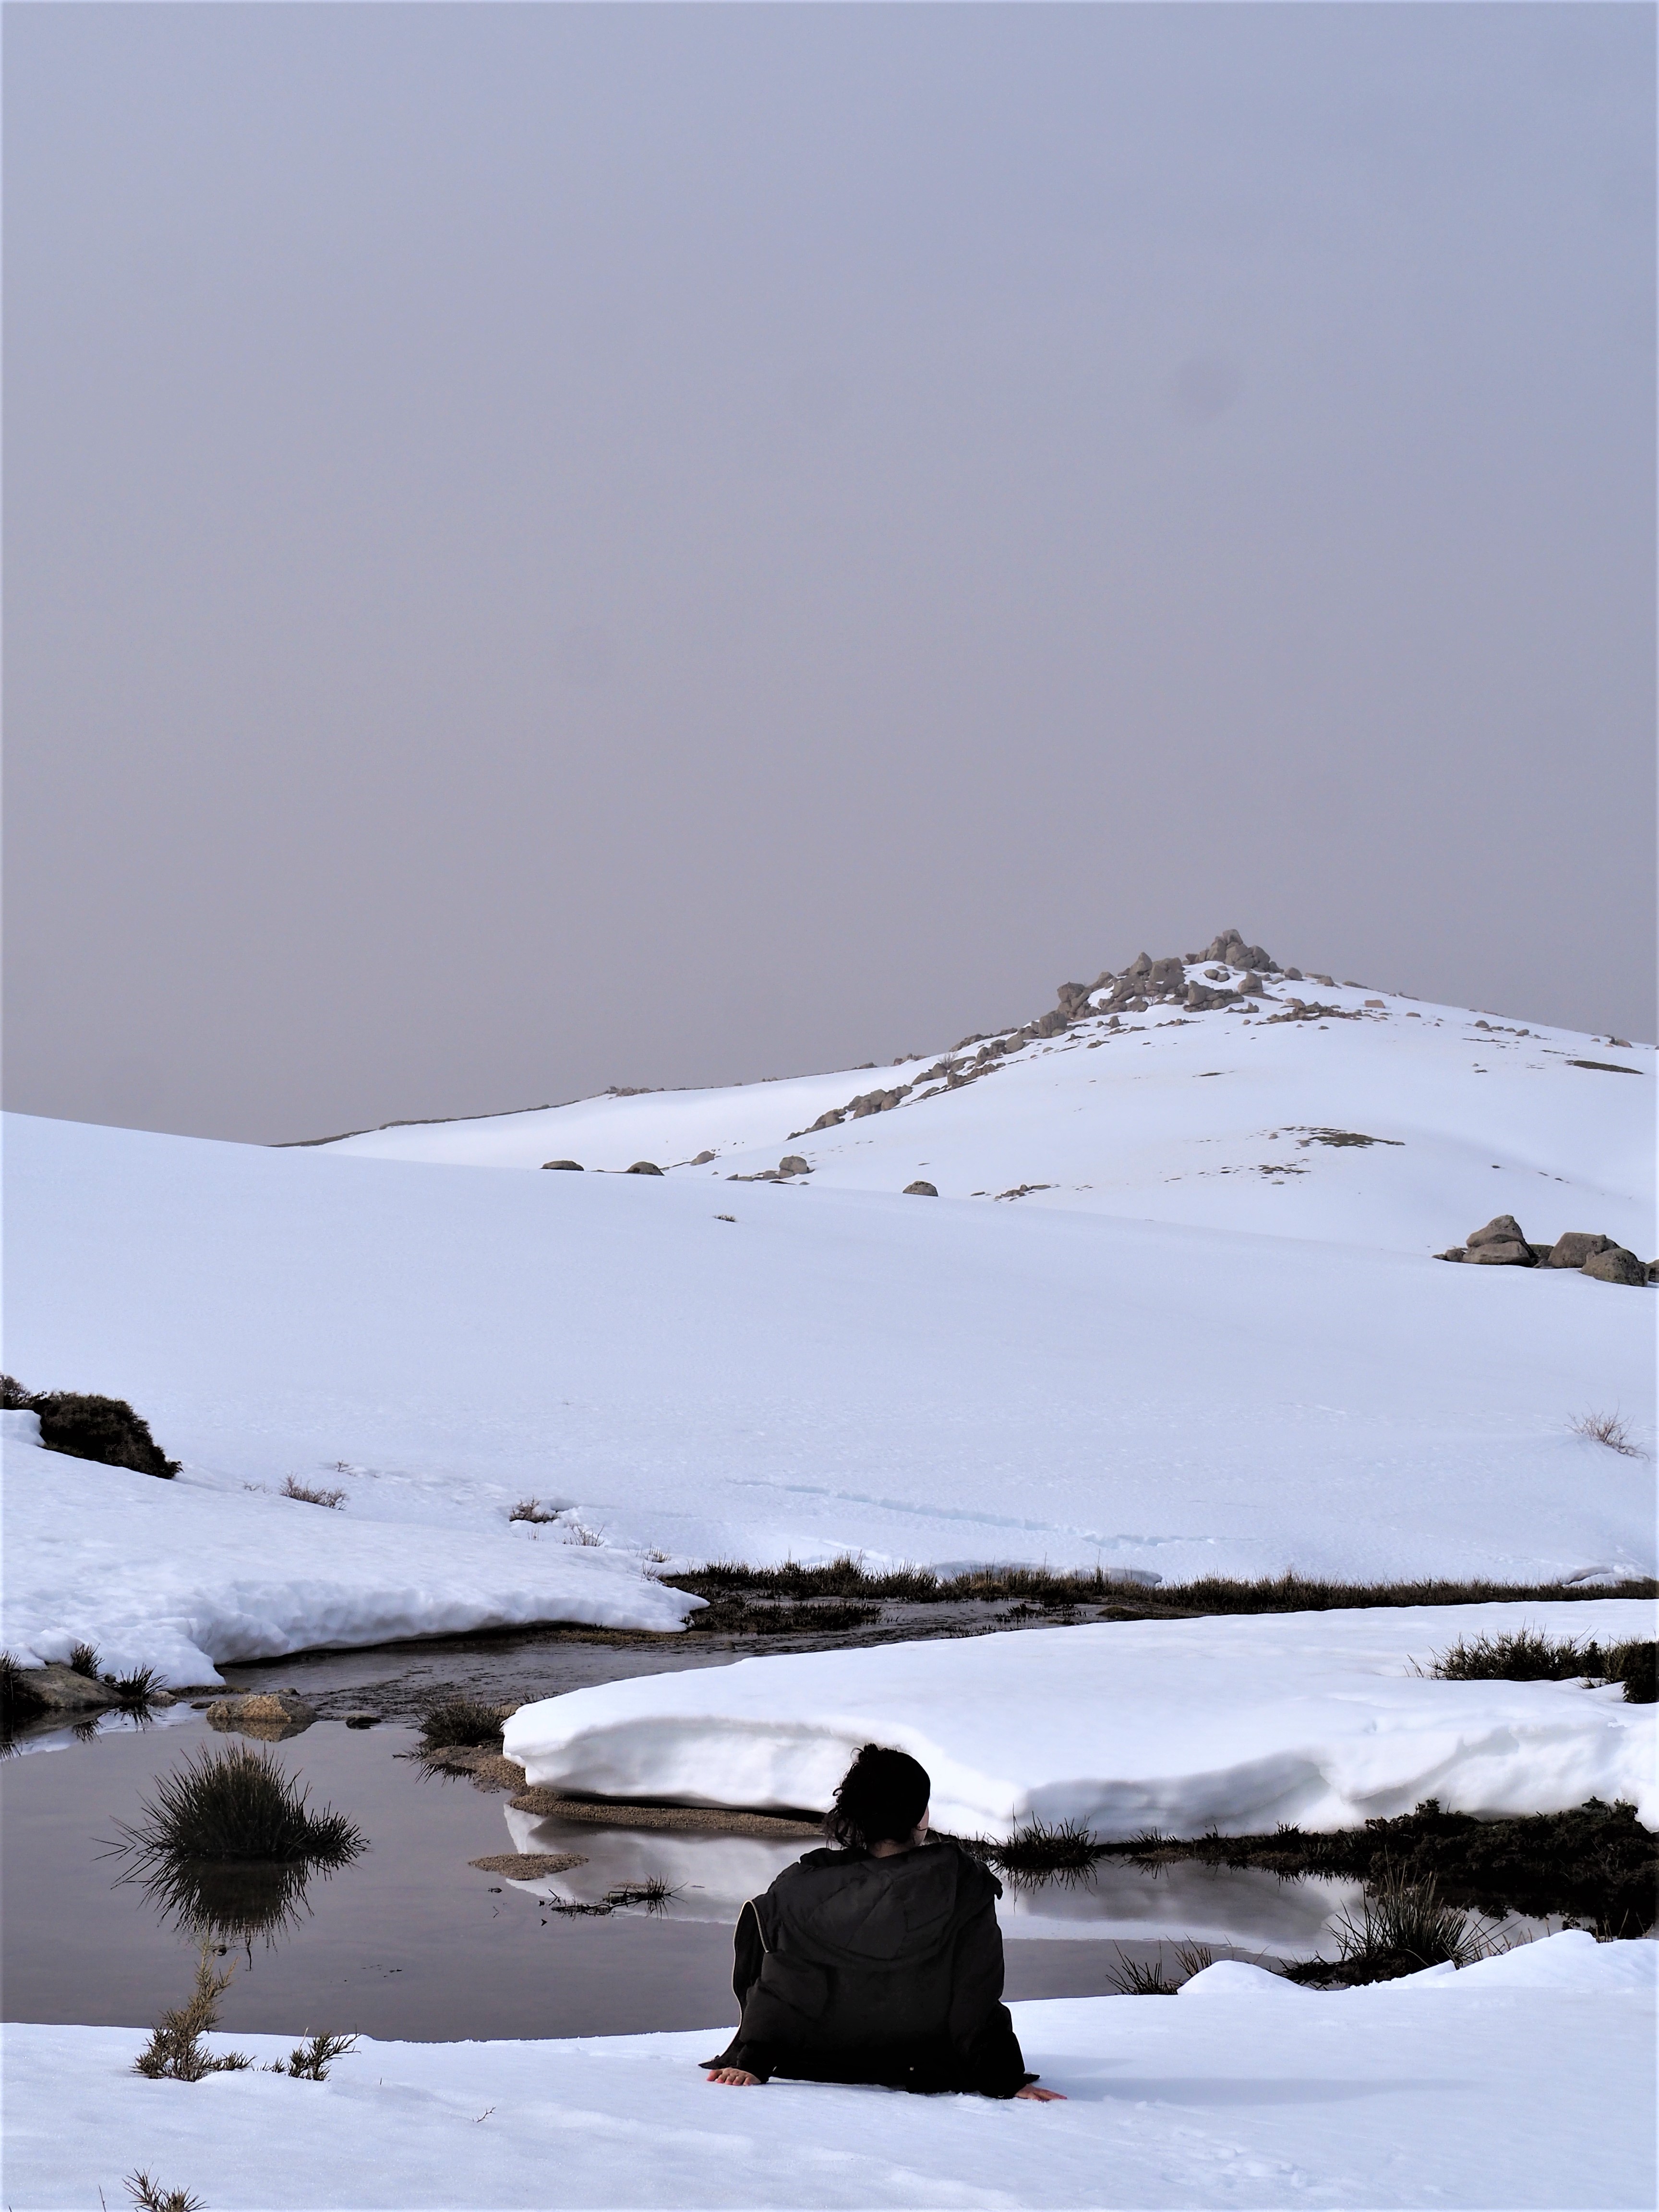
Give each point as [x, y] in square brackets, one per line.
[1596, 1867]
[85, 1427]
[175, 2051]
[735, 1616]
[1041, 1589]
[1528, 1654]
[146, 2194]
[460, 1722]
[1605, 1066]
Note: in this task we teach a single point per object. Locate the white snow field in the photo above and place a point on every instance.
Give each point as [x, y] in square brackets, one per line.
[1524, 2081]
[1313, 1718]
[1209, 1341]
[177, 1575]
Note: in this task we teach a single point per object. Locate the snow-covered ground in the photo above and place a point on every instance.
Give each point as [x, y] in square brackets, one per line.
[1313, 1718]
[176, 1576]
[1208, 1341]
[1527, 2080]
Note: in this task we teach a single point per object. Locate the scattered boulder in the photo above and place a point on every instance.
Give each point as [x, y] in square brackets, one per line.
[1615, 1264]
[645, 1167]
[1203, 1000]
[1575, 1248]
[1502, 1228]
[703, 1159]
[1052, 1023]
[1249, 984]
[1452, 1252]
[270, 1715]
[1169, 975]
[1513, 1253]
[1230, 947]
[920, 1190]
[576, 1165]
[66, 1690]
[832, 1120]
[793, 1164]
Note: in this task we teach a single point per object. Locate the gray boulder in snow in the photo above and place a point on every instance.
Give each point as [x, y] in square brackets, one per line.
[645, 1167]
[1575, 1248]
[576, 1165]
[1615, 1264]
[920, 1190]
[793, 1164]
[1513, 1253]
[1502, 1228]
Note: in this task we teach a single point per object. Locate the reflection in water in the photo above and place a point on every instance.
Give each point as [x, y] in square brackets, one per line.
[227, 1844]
[709, 1876]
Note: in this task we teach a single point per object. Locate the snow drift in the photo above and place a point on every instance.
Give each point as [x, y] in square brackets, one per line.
[177, 1578]
[1313, 1718]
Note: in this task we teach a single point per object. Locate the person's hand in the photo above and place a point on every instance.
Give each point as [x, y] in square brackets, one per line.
[1035, 2096]
[735, 2078]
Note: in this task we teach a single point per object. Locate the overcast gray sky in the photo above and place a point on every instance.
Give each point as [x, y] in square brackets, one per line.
[549, 546]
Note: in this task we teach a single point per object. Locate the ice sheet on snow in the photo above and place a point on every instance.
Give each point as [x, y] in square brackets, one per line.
[178, 1577]
[1315, 1718]
[1539, 2096]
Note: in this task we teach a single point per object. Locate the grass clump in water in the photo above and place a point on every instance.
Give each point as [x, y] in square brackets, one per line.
[1150, 1978]
[239, 1804]
[1041, 1850]
[461, 1722]
[1401, 1927]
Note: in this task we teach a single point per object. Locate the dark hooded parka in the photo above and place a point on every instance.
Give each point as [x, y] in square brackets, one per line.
[853, 1968]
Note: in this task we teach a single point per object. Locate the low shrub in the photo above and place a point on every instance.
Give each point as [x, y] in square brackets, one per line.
[1608, 1429]
[310, 2061]
[137, 1686]
[460, 1722]
[532, 1509]
[83, 1660]
[83, 1426]
[310, 1494]
[1528, 1655]
[175, 2051]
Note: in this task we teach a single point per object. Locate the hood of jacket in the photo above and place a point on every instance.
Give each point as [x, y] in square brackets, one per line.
[849, 1908]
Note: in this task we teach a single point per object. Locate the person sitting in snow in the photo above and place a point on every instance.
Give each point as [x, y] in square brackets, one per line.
[879, 1960]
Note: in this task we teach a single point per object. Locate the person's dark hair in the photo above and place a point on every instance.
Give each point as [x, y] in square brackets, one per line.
[882, 1797]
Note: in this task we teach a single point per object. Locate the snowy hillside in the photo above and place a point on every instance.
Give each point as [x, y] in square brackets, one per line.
[1215, 1343]
[1296, 1109]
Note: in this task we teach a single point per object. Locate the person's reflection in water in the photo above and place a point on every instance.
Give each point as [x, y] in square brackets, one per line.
[878, 1959]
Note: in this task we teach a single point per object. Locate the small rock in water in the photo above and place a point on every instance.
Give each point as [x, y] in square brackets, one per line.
[270, 1715]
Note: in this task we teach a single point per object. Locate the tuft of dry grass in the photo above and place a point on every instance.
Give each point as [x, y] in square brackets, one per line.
[83, 1660]
[1608, 1429]
[1135, 1978]
[310, 2061]
[148, 2195]
[532, 1509]
[460, 1722]
[309, 1494]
